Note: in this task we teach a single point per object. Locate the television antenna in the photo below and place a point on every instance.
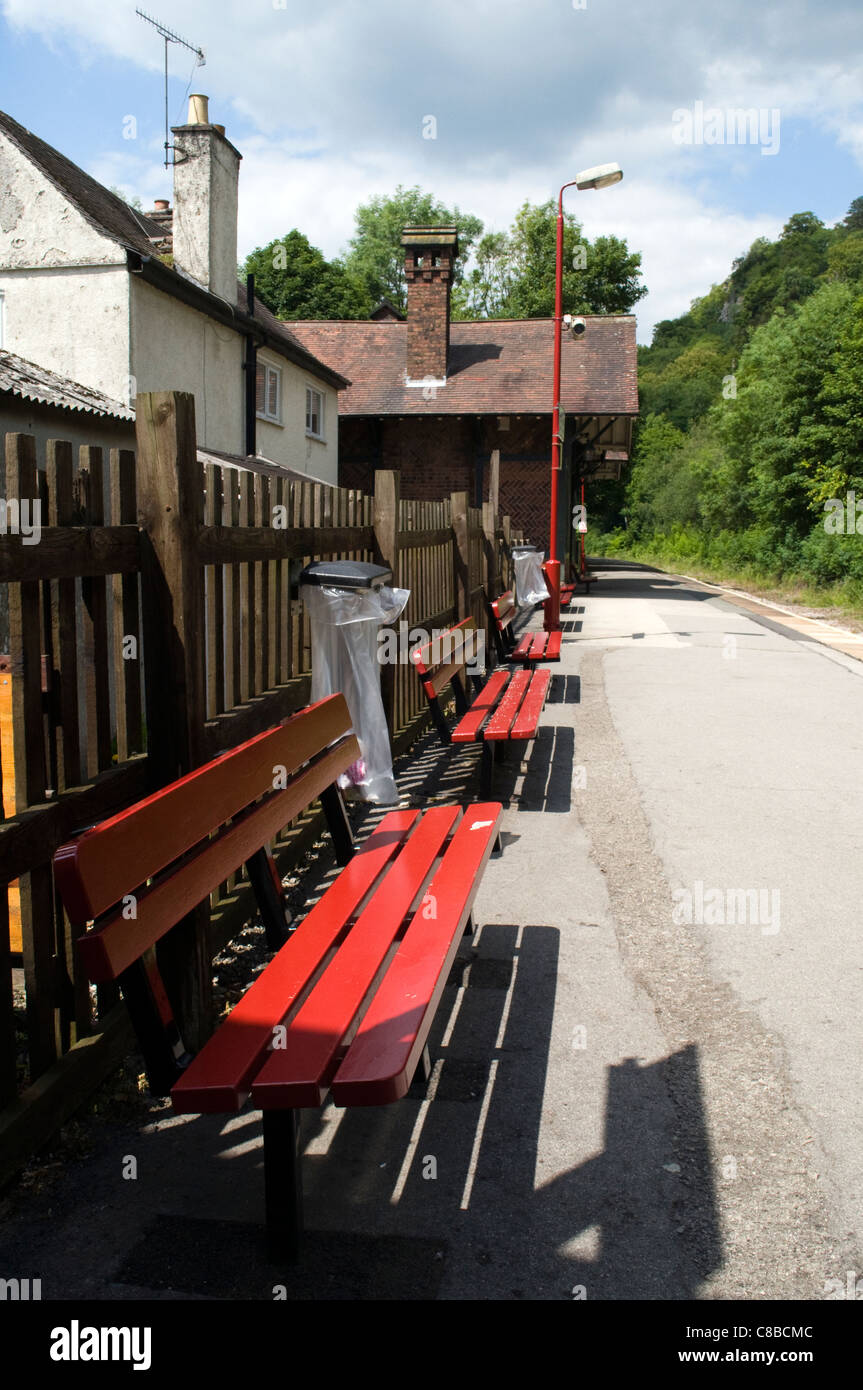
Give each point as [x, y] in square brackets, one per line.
[170, 37]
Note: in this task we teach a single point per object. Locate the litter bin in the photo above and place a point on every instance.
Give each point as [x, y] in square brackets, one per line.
[347, 602]
[530, 587]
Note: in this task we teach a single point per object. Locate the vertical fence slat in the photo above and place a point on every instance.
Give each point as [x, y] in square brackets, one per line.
[97, 696]
[127, 630]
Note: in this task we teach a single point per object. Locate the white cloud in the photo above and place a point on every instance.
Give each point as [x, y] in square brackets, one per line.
[326, 104]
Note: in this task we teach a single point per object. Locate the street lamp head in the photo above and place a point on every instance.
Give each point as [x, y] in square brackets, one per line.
[599, 177]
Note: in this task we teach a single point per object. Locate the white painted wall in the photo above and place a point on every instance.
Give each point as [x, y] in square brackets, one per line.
[37, 226]
[289, 444]
[75, 322]
[176, 348]
[65, 286]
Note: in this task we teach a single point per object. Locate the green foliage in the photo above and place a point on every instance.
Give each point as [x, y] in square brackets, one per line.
[735, 481]
[514, 275]
[376, 257]
[295, 281]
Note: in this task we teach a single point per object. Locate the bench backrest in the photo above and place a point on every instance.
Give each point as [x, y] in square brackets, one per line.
[139, 873]
[503, 611]
[442, 662]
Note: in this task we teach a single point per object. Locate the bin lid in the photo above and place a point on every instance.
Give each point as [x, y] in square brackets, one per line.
[525, 549]
[346, 574]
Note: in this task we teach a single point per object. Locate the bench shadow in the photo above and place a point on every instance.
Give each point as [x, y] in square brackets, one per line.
[445, 1196]
[564, 690]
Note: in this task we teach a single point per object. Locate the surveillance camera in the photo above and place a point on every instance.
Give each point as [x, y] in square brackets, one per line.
[577, 327]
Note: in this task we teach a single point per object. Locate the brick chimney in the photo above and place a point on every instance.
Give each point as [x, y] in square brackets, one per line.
[430, 254]
[206, 172]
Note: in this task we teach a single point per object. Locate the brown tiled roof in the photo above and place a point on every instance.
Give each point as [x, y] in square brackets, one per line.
[496, 367]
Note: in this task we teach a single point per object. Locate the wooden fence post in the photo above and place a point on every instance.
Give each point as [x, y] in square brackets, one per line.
[171, 513]
[506, 567]
[387, 502]
[494, 482]
[490, 547]
[460, 555]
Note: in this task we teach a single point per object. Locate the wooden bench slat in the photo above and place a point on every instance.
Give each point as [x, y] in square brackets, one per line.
[95, 871]
[389, 1042]
[219, 1079]
[521, 651]
[501, 721]
[429, 656]
[112, 947]
[527, 719]
[301, 1073]
[468, 728]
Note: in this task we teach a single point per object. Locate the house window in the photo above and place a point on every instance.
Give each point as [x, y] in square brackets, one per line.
[314, 412]
[268, 392]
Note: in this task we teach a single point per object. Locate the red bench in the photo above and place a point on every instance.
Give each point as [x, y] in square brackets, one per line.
[531, 647]
[346, 1005]
[506, 708]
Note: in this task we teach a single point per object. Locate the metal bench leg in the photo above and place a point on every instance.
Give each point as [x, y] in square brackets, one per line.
[283, 1184]
[422, 1075]
[487, 769]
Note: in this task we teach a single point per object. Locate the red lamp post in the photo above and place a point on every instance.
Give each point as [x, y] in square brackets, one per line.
[600, 177]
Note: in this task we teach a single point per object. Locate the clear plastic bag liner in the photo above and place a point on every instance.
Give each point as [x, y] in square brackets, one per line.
[345, 625]
[530, 587]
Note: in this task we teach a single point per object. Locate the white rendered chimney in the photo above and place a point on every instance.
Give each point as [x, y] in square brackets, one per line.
[206, 169]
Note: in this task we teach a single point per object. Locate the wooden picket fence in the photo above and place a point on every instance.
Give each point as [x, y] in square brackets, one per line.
[155, 624]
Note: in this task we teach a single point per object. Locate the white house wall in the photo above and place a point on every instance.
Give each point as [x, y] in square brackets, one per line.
[75, 322]
[38, 227]
[63, 283]
[288, 443]
[176, 348]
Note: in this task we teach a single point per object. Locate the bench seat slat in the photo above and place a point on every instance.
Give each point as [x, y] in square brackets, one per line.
[384, 1054]
[118, 942]
[219, 1078]
[300, 1074]
[527, 719]
[468, 728]
[501, 721]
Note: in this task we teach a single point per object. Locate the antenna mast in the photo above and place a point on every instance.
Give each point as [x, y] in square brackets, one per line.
[170, 37]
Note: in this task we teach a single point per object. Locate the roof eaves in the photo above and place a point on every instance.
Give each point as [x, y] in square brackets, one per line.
[181, 286]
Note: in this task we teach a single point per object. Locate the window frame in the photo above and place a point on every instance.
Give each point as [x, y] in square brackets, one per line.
[322, 415]
[267, 368]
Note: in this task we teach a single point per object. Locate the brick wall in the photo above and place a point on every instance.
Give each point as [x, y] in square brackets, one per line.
[435, 456]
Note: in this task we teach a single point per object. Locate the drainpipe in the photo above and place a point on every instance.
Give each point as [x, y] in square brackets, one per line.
[250, 366]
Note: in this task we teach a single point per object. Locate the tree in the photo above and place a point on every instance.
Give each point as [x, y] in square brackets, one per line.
[376, 257]
[133, 202]
[514, 275]
[295, 281]
[853, 219]
[482, 292]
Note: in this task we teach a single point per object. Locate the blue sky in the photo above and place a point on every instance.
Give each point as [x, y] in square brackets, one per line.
[328, 103]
